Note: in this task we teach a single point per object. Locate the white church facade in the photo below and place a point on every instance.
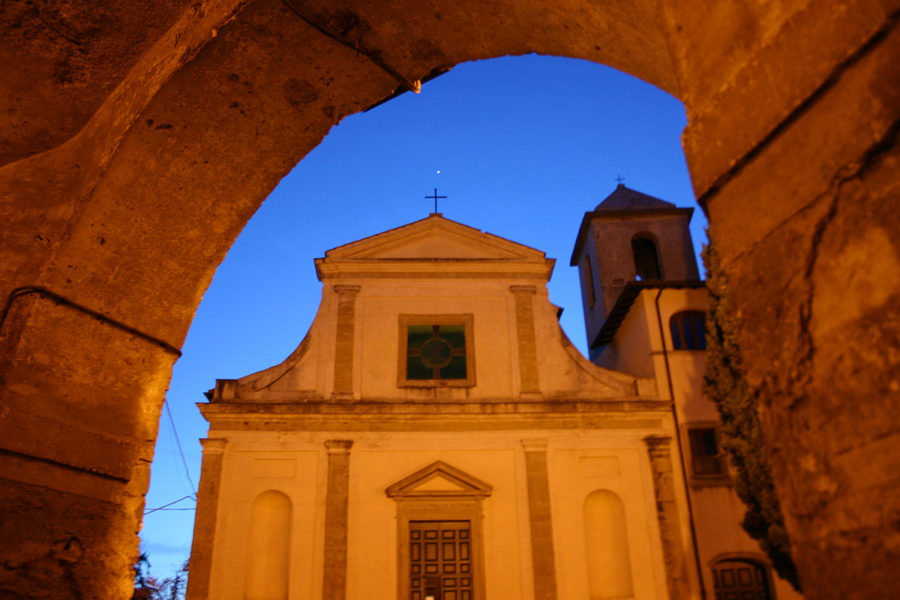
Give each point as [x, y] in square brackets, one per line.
[436, 436]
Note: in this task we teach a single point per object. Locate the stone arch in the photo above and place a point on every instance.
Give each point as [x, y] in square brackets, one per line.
[135, 198]
[156, 132]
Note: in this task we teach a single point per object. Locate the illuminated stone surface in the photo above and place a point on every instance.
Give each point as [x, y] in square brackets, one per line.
[793, 111]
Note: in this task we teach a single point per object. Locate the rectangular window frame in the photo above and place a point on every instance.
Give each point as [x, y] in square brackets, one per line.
[700, 479]
[466, 320]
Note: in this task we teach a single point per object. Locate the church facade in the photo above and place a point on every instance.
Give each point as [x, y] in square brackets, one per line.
[437, 437]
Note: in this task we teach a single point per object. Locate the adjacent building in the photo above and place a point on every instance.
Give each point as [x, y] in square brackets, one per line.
[644, 311]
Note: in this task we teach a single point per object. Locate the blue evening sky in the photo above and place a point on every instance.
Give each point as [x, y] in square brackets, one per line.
[522, 147]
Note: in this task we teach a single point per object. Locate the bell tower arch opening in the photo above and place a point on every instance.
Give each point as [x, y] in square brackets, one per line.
[646, 258]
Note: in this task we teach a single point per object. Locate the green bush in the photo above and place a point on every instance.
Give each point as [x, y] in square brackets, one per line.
[725, 384]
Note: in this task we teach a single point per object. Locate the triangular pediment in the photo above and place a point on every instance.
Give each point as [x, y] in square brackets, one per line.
[434, 238]
[439, 480]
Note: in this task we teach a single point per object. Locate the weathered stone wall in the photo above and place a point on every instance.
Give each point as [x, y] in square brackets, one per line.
[145, 137]
[805, 215]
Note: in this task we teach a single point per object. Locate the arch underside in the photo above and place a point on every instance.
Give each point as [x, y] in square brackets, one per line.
[140, 140]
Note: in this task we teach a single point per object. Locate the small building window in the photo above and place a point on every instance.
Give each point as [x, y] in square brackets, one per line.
[646, 258]
[688, 329]
[706, 460]
[740, 579]
[436, 350]
[588, 282]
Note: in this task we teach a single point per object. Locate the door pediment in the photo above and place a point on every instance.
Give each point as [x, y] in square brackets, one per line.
[439, 479]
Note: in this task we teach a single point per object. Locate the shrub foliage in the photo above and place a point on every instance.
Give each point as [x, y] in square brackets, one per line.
[726, 385]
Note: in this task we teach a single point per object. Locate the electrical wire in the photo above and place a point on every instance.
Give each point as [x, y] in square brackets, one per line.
[180, 449]
[166, 506]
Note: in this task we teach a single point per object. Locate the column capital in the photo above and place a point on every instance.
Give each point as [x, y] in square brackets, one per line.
[658, 443]
[345, 289]
[213, 445]
[523, 289]
[534, 445]
[338, 446]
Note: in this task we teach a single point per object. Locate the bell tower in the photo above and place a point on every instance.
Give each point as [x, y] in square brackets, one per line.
[630, 237]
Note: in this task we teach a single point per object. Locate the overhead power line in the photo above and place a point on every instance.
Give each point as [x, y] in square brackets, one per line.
[180, 449]
[166, 506]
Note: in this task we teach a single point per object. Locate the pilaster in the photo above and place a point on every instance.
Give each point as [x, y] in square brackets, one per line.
[528, 365]
[540, 518]
[206, 516]
[667, 513]
[343, 348]
[334, 583]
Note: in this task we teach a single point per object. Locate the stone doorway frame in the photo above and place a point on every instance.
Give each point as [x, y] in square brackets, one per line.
[464, 504]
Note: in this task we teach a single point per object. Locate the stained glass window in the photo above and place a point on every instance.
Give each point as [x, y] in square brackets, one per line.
[436, 352]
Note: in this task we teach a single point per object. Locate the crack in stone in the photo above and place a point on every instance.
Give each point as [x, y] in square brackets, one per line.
[801, 374]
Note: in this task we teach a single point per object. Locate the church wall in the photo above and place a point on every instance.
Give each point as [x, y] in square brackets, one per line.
[629, 351]
[376, 363]
[596, 314]
[378, 463]
[579, 463]
[685, 366]
[255, 464]
[315, 372]
[583, 464]
[379, 307]
[563, 369]
[717, 510]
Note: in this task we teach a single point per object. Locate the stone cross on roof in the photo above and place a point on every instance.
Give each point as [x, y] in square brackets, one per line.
[435, 198]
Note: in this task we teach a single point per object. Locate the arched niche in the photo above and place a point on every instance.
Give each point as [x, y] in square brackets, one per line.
[268, 547]
[606, 540]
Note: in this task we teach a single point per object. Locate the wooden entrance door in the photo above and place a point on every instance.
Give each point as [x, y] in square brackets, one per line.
[740, 580]
[440, 560]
